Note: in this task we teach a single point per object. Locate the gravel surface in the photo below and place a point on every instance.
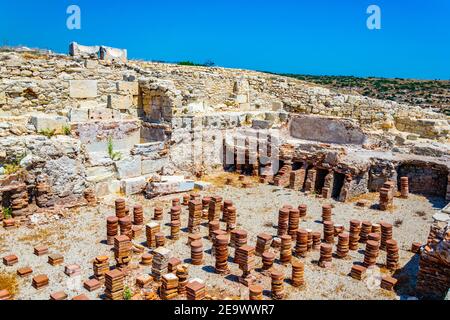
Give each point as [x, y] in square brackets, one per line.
[81, 236]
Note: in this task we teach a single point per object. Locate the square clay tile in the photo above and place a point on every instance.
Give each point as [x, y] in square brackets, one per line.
[10, 260]
[92, 284]
[23, 272]
[60, 295]
[81, 297]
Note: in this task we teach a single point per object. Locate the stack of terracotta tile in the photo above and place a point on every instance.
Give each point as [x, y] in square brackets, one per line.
[215, 234]
[175, 202]
[158, 213]
[296, 179]
[374, 237]
[92, 285]
[316, 237]
[326, 212]
[55, 259]
[404, 187]
[160, 239]
[215, 208]
[231, 218]
[221, 253]
[392, 255]
[298, 273]
[415, 247]
[151, 229]
[122, 250]
[213, 226]
[245, 258]
[301, 246]
[366, 228]
[147, 259]
[182, 272]
[121, 210]
[195, 216]
[24, 272]
[328, 231]
[302, 208]
[226, 205]
[9, 223]
[387, 195]
[310, 239]
[58, 296]
[175, 213]
[160, 264]
[255, 292]
[40, 250]
[283, 221]
[195, 290]
[376, 228]
[175, 229]
[277, 284]
[338, 228]
[358, 272]
[173, 263]
[72, 270]
[136, 231]
[355, 230]
[326, 255]
[326, 193]
[186, 199]
[10, 260]
[267, 259]
[144, 280]
[205, 207]
[286, 249]
[294, 220]
[114, 284]
[371, 253]
[138, 215]
[388, 283]
[263, 243]
[386, 234]
[343, 245]
[195, 196]
[169, 286]
[125, 225]
[100, 267]
[197, 252]
[433, 278]
[283, 177]
[89, 196]
[238, 239]
[40, 281]
[112, 229]
[5, 295]
[19, 201]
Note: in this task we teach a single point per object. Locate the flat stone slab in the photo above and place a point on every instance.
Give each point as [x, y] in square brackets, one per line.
[83, 89]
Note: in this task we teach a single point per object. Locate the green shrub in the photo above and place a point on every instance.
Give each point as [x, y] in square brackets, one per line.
[48, 132]
[127, 294]
[113, 154]
[66, 130]
[7, 213]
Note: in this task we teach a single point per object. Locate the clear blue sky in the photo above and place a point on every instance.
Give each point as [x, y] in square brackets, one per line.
[326, 37]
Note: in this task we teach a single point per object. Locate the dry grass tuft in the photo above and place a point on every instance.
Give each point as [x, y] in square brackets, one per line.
[8, 281]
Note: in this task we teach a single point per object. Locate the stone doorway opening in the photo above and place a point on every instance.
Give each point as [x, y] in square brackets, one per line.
[338, 183]
[320, 179]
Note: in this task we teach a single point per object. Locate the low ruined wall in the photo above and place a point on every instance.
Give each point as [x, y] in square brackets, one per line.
[326, 129]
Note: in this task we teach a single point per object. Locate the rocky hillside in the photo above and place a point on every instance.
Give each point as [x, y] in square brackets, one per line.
[425, 93]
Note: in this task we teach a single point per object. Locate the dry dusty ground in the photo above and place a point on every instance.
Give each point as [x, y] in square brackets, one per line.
[81, 236]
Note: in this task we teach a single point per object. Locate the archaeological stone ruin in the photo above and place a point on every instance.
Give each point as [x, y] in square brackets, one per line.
[133, 144]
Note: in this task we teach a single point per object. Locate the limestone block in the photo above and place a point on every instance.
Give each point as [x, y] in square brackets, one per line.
[113, 54]
[129, 168]
[153, 166]
[83, 88]
[91, 64]
[96, 114]
[120, 102]
[2, 98]
[261, 124]
[133, 185]
[202, 185]
[79, 114]
[78, 50]
[242, 98]
[100, 173]
[48, 122]
[277, 106]
[128, 87]
[105, 188]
